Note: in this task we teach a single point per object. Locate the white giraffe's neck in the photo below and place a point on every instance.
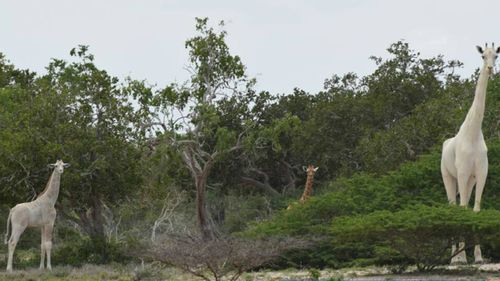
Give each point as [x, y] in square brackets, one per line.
[474, 119]
[52, 191]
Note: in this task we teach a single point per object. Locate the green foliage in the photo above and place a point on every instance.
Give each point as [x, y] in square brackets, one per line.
[279, 135]
[85, 250]
[417, 234]
[430, 123]
[218, 83]
[373, 123]
[314, 273]
[211, 59]
[239, 210]
[78, 113]
[415, 183]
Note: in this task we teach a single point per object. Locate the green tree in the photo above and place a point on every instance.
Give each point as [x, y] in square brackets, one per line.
[81, 114]
[217, 77]
[16, 91]
[429, 124]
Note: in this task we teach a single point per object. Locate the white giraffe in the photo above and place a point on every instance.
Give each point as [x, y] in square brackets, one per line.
[38, 213]
[464, 159]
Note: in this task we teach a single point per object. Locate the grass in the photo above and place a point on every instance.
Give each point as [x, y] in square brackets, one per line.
[87, 273]
[95, 272]
[157, 272]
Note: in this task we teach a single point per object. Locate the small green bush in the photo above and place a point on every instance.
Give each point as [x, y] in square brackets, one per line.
[419, 234]
[89, 250]
[314, 273]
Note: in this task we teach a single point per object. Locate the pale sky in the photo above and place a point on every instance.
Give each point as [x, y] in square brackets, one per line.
[283, 43]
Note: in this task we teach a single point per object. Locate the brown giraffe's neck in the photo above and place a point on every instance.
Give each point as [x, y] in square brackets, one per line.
[308, 188]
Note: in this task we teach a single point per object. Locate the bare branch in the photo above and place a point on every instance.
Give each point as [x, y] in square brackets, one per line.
[221, 257]
[171, 202]
[152, 124]
[262, 185]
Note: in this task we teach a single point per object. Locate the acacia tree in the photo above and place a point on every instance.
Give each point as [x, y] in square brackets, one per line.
[194, 127]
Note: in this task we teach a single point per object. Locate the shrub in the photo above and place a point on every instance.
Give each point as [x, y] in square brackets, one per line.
[89, 250]
[214, 259]
[420, 234]
[314, 273]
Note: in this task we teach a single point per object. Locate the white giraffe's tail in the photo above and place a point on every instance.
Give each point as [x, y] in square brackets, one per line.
[7, 229]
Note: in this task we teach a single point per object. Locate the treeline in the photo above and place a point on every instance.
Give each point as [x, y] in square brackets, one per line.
[210, 154]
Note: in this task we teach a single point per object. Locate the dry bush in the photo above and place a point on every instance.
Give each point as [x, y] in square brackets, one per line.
[216, 258]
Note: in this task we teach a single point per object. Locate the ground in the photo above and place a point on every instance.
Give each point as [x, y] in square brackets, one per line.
[156, 272]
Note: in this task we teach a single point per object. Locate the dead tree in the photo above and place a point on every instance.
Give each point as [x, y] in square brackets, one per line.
[223, 258]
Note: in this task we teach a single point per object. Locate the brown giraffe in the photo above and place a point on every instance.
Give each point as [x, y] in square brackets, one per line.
[311, 170]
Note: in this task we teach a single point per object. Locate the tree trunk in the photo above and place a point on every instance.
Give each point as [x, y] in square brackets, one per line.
[92, 223]
[91, 220]
[219, 212]
[97, 217]
[201, 208]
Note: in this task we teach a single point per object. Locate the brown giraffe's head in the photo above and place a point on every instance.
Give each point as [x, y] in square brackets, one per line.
[310, 170]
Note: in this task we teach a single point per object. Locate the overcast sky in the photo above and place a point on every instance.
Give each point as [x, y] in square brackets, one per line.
[283, 43]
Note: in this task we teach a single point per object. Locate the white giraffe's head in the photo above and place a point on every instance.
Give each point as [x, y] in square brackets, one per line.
[59, 166]
[489, 55]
